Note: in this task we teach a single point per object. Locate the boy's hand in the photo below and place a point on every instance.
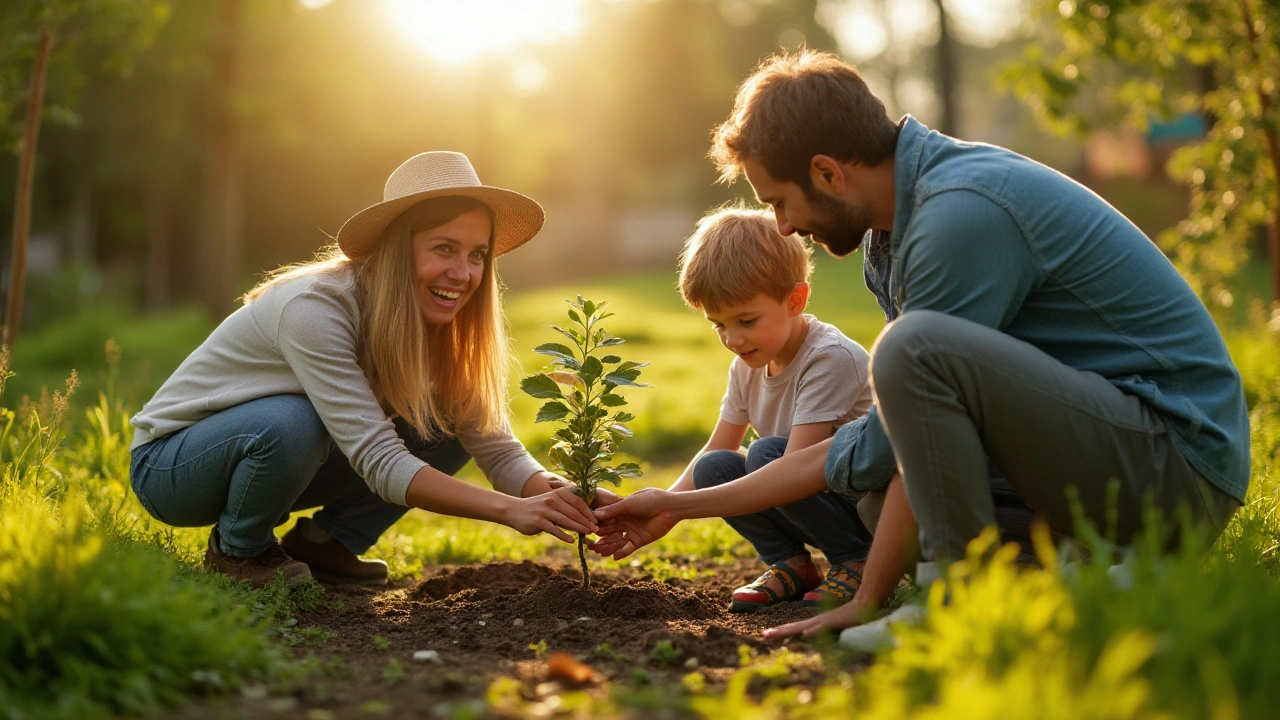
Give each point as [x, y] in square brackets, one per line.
[628, 524]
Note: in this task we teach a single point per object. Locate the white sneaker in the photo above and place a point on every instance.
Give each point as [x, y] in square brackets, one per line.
[878, 634]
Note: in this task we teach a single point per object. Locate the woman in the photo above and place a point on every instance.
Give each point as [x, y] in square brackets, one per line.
[357, 383]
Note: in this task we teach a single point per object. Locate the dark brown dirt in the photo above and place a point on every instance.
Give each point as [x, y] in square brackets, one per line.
[482, 621]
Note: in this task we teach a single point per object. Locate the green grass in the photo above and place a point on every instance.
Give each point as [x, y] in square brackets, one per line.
[104, 611]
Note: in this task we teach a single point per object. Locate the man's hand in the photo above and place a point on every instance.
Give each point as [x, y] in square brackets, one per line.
[847, 615]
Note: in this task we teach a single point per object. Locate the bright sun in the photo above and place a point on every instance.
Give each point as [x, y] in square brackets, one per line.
[457, 31]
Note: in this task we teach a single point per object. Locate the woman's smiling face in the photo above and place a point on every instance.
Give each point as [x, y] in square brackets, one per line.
[448, 264]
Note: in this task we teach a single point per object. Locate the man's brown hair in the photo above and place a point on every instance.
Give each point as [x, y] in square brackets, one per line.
[795, 106]
[736, 254]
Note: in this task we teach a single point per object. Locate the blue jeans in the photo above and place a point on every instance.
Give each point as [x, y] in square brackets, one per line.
[824, 520]
[247, 467]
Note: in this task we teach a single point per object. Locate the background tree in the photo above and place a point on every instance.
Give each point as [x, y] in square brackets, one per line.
[111, 32]
[1134, 62]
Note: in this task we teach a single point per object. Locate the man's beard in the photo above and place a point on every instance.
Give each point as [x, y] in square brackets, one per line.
[836, 225]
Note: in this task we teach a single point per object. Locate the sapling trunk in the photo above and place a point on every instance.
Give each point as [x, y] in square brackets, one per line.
[580, 394]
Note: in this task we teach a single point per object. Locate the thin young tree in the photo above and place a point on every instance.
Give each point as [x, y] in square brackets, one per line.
[581, 395]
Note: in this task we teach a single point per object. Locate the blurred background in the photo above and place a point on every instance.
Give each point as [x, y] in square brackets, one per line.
[188, 146]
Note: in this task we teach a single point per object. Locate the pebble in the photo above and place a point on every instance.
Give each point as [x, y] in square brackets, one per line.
[481, 623]
[517, 622]
[584, 618]
[430, 656]
[691, 664]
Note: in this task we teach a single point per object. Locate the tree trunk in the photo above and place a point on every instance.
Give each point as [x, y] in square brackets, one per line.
[945, 73]
[156, 209]
[22, 196]
[222, 211]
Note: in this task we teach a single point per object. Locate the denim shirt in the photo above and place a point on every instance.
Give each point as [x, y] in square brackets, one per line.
[985, 234]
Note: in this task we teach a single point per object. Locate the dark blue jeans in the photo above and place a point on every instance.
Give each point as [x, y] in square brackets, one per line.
[247, 467]
[825, 520]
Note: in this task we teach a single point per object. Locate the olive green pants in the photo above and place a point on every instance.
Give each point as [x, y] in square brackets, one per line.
[953, 393]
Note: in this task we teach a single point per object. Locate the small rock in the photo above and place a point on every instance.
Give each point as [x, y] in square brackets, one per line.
[691, 664]
[584, 618]
[430, 656]
[517, 622]
[481, 623]
[486, 616]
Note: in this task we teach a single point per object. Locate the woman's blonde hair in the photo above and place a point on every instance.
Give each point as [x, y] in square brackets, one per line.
[435, 377]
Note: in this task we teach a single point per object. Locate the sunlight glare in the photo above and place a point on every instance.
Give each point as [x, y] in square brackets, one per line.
[456, 32]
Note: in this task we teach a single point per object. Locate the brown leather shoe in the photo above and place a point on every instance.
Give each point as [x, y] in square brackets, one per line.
[330, 562]
[259, 569]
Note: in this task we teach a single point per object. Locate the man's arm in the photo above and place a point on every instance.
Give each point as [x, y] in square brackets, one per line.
[893, 549]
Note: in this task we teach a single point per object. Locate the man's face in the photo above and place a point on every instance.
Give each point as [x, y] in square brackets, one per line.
[833, 223]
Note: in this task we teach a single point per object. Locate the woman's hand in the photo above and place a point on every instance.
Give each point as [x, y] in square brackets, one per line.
[847, 615]
[549, 512]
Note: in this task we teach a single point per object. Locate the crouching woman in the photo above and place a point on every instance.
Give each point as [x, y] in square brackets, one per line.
[358, 383]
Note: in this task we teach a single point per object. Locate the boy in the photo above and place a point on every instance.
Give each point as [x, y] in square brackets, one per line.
[795, 380]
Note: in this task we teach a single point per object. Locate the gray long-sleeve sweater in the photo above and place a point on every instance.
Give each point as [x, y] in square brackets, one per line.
[299, 337]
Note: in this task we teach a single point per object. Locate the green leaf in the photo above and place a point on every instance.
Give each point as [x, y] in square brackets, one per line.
[623, 417]
[572, 334]
[553, 410]
[591, 369]
[541, 386]
[588, 307]
[620, 432]
[611, 359]
[629, 469]
[627, 377]
[611, 400]
[574, 316]
[610, 341]
[556, 350]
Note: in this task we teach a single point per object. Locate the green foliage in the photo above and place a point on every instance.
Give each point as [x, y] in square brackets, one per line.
[539, 649]
[92, 626]
[97, 615]
[581, 397]
[1135, 62]
[664, 653]
[104, 34]
[591, 430]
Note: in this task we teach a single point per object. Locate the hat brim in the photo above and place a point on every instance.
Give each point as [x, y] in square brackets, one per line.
[516, 218]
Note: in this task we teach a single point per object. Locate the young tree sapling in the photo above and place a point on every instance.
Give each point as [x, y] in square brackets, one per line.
[580, 394]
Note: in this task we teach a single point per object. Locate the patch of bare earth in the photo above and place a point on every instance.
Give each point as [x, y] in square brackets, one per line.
[481, 621]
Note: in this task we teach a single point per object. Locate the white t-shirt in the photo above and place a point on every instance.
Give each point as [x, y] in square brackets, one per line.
[827, 381]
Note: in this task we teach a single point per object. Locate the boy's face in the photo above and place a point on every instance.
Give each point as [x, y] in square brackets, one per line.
[763, 330]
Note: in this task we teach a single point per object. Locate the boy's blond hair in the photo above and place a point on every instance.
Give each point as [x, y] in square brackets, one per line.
[735, 254]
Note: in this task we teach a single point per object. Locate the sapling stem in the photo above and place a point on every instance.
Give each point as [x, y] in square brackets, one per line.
[580, 394]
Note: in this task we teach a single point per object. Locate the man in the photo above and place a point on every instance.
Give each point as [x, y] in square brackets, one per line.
[1032, 326]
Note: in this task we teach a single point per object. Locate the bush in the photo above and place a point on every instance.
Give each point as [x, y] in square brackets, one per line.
[91, 626]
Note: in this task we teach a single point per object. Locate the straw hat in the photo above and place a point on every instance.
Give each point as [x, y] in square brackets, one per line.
[516, 218]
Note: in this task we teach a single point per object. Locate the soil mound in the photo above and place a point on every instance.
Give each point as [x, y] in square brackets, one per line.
[535, 592]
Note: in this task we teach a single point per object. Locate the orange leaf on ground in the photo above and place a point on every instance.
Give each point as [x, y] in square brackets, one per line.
[566, 667]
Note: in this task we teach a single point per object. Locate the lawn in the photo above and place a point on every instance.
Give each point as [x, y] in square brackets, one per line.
[104, 611]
